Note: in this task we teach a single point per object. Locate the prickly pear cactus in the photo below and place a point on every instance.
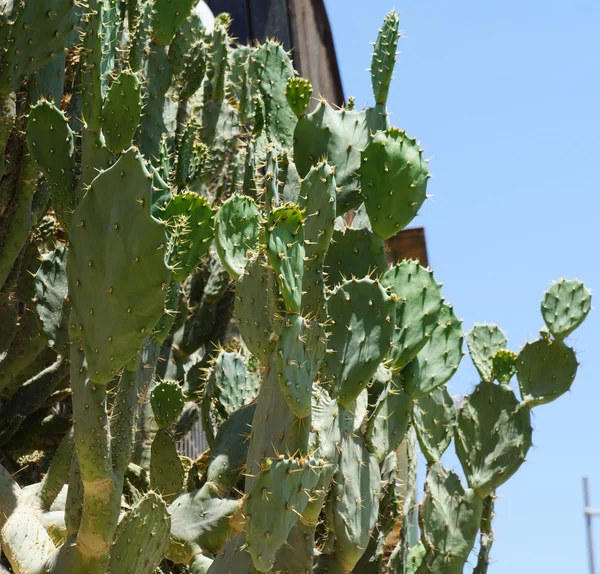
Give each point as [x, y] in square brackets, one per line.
[171, 254]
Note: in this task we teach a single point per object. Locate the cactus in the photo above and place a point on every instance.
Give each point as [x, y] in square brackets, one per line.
[158, 181]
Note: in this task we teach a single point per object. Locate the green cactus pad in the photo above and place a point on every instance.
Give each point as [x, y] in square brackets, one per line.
[167, 402]
[116, 269]
[141, 538]
[270, 69]
[255, 307]
[298, 92]
[393, 195]
[233, 558]
[483, 342]
[297, 553]
[229, 450]
[189, 220]
[191, 157]
[167, 17]
[354, 253]
[418, 301]
[186, 37]
[339, 136]
[360, 333]
[237, 226]
[377, 385]
[201, 522]
[8, 115]
[504, 365]
[38, 32]
[51, 143]
[449, 519]
[434, 418]
[389, 422]
[121, 111]
[384, 57]
[159, 74]
[51, 299]
[416, 555]
[545, 370]
[163, 327]
[295, 370]
[283, 484]
[492, 437]
[317, 198]
[166, 471]
[194, 70]
[565, 306]
[285, 249]
[219, 128]
[354, 499]
[438, 360]
[227, 389]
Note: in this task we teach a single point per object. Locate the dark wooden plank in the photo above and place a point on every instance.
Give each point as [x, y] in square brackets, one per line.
[408, 244]
[270, 19]
[238, 9]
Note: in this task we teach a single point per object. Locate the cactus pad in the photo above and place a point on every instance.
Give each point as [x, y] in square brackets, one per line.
[38, 32]
[340, 136]
[359, 338]
[504, 365]
[438, 360]
[271, 68]
[545, 370]
[166, 471]
[354, 499]
[167, 17]
[229, 450]
[354, 253]
[389, 422]
[393, 195]
[189, 220]
[237, 226]
[227, 389]
[492, 437]
[283, 484]
[298, 92]
[141, 538]
[285, 249]
[294, 368]
[483, 342]
[51, 299]
[449, 519]
[201, 522]
[384, 57]
[418, 302]
[51, 143]
[116, 268]
[191, 157]
[167, 402]
[122, 111]
[317, 198]
[254, 307]
[565, 306]
[434, 417]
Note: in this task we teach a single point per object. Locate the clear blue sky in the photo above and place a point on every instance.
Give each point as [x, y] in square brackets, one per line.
[505, 96]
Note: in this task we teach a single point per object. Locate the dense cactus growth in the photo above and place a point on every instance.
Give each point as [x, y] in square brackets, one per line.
[157, 181]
